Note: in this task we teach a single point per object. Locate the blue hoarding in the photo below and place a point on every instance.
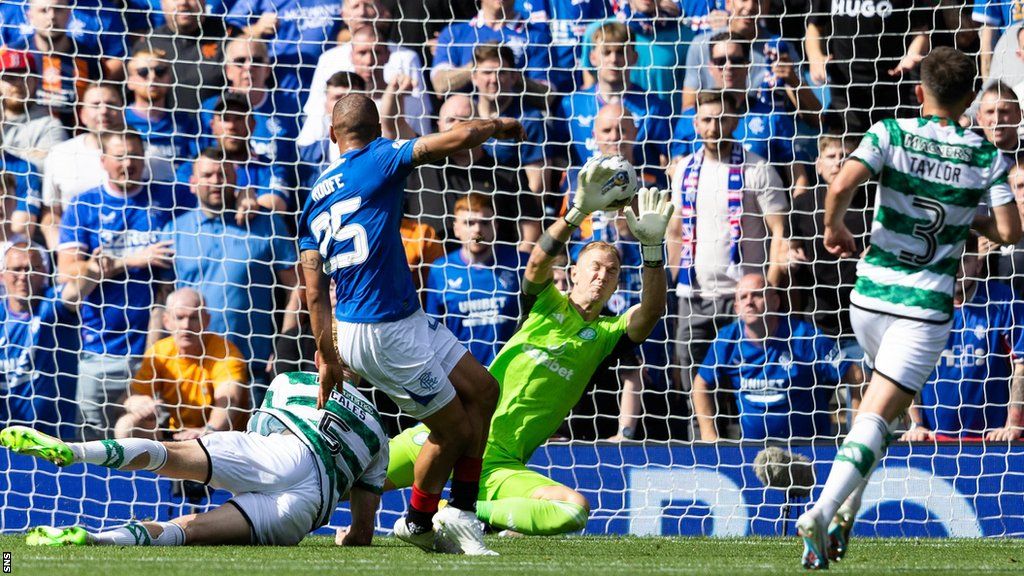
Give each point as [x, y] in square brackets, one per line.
[968, 490]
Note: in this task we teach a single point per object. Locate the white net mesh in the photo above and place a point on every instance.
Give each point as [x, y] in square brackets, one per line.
[227, 107]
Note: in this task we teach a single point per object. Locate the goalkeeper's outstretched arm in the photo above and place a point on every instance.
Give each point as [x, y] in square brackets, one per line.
[649, 227]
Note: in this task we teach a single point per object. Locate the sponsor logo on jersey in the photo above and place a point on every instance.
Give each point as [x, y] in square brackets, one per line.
[420, 438]
[865, 8]
[543, 358]
[455, 283]
[587, 333]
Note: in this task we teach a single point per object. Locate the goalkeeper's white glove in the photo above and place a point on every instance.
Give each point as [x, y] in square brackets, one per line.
[591, 193]
[649, 227]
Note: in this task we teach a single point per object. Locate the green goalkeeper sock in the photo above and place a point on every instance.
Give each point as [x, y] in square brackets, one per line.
[531, 516]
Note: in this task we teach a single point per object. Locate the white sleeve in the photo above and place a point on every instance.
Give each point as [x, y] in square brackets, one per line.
[376, 472]
[999, 191]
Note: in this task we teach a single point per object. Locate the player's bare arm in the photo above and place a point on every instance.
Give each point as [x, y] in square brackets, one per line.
[649, 225]
[318, 300]
[364, 505]
[838, 239]
[465, 136]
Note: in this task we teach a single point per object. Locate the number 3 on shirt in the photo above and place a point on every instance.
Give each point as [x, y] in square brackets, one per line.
[327, 226]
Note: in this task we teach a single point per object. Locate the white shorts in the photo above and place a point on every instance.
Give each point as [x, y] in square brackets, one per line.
[409, 359]
[274, 482]
[903, 350]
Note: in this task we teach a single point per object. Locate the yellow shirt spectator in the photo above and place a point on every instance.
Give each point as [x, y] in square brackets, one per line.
[186, 385]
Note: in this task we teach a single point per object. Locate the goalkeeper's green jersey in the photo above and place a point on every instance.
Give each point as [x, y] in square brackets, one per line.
[544, 370]
[346, 436]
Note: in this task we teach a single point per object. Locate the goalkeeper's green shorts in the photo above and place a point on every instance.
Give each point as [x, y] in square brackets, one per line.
[499, 478]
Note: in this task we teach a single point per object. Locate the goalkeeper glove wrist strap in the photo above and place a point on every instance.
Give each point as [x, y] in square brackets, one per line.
[550, 245]
[575, 217]
[653, 255]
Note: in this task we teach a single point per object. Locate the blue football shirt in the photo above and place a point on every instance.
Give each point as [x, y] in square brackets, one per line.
[115, 316]
[235, 269]
[969, 391]
[652, 117]
[783, 384]
[478, 303]
[761, 130]
[28, 184]
[530, 42]
[567, 22]
[274, 135]
[353, 217]
[39, 355]
[173, 135]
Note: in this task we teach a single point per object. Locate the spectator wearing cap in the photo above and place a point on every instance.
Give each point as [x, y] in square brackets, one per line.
[614, 56]
[27, 129]
[297, 31]
[192, 39]
[567, 22]
[497, 22]
[235, 266]
[497, 85]
[168, 133]
[122, 217]
[39, 339]
[435, 188]
[274, 109]
[377, 61]
[74, 166]
[259, 182]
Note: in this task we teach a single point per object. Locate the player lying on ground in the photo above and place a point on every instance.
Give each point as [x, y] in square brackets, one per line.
[286, 473]
[932, 176]
[544, 369]
[349, 231]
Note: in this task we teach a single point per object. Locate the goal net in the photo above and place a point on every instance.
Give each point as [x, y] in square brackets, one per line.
[148, 152]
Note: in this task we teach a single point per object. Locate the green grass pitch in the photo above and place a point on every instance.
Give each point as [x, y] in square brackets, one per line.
[526, 557]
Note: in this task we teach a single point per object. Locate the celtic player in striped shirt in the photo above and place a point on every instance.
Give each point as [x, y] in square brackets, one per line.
[932, 175]
[286, 473]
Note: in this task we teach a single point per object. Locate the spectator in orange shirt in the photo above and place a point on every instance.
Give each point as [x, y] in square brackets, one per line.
[422, 246]
[190, 383]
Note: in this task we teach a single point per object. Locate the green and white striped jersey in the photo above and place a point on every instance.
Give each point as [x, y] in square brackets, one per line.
[346, 437]
[931, 180]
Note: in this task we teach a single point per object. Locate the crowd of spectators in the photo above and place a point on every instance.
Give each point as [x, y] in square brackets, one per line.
[155, 154]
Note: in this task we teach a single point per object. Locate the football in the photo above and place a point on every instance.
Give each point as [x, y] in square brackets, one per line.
[621, 186]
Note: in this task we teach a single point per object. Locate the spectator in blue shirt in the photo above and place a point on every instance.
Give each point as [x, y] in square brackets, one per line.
[567, 22]
[298, 32]
[773, 74]
[762, 128]
[260, 182]
[782, 371]
[122, 217]
[496, 82]
[498, 22]
[613, 57]
[39, 339]
[977, 389]
[995, 16]
[168, 133]
[236, 267]
[474, 289]
[23, 190]
[275, 111]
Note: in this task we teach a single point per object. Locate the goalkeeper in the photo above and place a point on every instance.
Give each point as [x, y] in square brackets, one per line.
[286, 473]
[544, 369]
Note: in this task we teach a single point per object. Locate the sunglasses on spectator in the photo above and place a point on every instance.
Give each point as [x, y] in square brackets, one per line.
[242, 61]
[721, 61]
[157, 71]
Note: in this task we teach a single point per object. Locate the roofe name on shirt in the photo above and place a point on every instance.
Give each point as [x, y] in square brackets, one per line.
[326, 187]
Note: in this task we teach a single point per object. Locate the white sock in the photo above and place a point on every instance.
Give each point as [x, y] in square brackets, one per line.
[856, 459]
[119, 453]
[136, 534]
